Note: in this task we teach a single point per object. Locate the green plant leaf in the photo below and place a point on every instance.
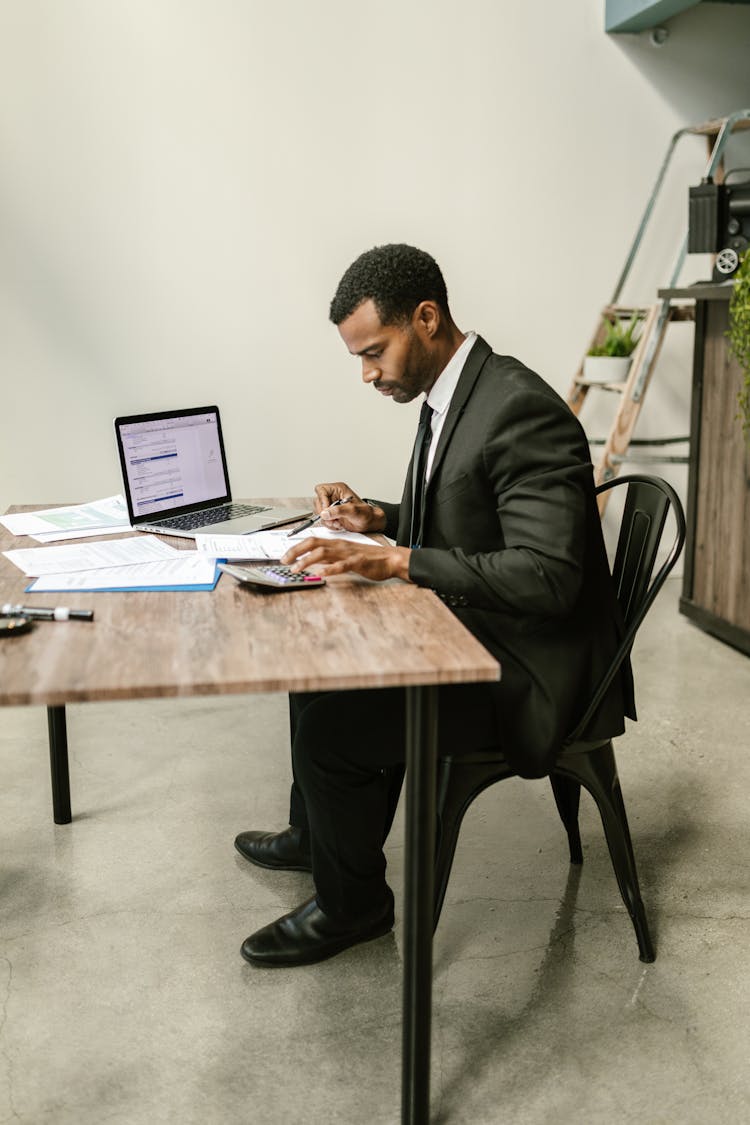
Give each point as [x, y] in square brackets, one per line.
[739, 336]
[620, 338]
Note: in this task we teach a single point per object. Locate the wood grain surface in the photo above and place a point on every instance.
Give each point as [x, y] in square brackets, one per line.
[348, 634]
[721, 577]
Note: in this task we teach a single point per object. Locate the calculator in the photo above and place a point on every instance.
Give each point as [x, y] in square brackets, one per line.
[273, 577]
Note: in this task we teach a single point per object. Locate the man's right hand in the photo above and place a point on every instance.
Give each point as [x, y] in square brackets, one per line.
[352, 514]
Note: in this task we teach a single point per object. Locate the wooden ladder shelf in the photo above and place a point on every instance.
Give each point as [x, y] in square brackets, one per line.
[655, 320]
[631, 393]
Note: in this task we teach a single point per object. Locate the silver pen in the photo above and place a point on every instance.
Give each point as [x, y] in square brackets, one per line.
[308, 523]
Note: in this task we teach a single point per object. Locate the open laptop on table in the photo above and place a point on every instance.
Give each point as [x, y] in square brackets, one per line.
[175, 478]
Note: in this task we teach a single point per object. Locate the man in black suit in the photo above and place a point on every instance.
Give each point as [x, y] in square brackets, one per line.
[499, 518]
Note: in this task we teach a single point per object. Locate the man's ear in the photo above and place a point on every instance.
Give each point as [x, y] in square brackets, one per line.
[426, 319]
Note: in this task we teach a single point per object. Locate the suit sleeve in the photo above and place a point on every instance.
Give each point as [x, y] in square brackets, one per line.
[534, 464]
[391, 518]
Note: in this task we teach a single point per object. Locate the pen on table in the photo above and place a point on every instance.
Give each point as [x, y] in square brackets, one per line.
[308, 523]
[44, 613]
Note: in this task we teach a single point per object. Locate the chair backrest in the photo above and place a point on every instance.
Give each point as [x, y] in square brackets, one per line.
[647, 502]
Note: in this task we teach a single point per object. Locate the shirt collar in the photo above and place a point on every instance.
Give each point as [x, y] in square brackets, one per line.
[441, 392]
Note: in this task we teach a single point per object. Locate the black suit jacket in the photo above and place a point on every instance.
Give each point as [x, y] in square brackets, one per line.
[513, 544]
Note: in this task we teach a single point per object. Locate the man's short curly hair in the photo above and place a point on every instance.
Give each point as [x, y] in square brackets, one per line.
[396, 277]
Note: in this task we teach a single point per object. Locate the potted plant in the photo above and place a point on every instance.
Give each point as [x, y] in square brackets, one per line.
[609, 361]
[739, 336]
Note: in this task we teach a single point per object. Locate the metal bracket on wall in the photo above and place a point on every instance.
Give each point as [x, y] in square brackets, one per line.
[628, 16]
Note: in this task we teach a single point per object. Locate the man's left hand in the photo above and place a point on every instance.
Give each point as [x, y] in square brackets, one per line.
[337, 556]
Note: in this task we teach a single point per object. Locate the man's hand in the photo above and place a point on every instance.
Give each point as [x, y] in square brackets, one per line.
[351, 512]
[337, 556]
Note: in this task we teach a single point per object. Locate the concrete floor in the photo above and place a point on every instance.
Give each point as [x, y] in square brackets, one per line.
[123, 997]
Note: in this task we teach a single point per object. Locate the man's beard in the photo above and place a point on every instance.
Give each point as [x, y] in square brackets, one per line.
[417, 375]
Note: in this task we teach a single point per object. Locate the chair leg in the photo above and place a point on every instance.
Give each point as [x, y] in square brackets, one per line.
[597, 772]
[459, 782]
[567, 798]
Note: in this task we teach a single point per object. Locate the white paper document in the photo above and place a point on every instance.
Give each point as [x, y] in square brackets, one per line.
[269, 545]
[188, 569]
[79, 533]
[96, 514]
[91, 556]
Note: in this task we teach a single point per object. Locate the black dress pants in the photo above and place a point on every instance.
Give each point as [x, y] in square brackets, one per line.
[348, 752]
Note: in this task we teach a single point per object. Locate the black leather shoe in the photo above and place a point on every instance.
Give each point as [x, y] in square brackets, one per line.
[281, 851]
[307, 935]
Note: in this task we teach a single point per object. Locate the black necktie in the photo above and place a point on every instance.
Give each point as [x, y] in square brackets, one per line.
[419, 466]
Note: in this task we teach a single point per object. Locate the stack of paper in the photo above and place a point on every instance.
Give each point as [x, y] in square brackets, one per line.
[99, 517]
[140, 562]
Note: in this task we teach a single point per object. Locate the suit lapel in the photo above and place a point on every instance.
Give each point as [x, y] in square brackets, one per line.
[474, 364]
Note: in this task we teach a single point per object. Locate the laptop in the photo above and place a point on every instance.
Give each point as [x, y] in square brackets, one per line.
[175, 478]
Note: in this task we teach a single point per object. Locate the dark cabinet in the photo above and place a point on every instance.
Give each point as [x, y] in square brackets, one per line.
[716, 583]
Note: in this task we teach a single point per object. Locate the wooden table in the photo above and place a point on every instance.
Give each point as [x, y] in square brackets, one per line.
[349, 634]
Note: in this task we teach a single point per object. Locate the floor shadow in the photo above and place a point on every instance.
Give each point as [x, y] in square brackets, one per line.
[549, 983]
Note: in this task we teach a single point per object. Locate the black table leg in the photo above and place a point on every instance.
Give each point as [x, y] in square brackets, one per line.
[58, 760]
[421, 755]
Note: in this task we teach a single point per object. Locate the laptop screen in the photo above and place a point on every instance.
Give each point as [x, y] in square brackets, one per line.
[172, 461]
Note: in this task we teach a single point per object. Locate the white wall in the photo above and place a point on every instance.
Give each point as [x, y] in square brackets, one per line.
[184, 181]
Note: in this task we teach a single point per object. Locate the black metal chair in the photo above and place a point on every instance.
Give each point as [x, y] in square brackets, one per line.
[588, 764]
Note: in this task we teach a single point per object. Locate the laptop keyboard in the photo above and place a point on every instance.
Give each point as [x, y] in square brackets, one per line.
[213, 515]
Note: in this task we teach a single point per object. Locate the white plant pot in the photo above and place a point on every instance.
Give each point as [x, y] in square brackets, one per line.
[606, 368]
